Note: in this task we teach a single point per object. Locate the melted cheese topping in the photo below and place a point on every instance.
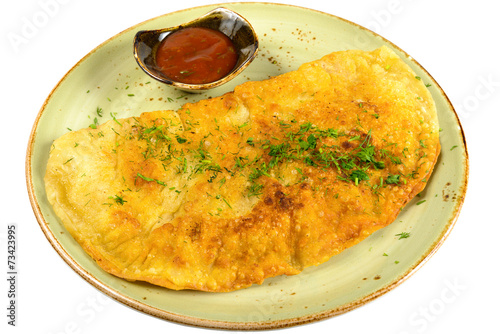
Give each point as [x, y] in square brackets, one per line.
[263, 181]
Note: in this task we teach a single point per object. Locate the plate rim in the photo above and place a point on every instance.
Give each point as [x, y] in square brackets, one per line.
[238, 325]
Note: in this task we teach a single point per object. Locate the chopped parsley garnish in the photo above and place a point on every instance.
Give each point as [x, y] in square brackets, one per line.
[145, 178]
[180, 140]
[96, 121]
[117, 199]
[113, 116]
[403, 235]
[306, 145]
[392, 179]
[95, 124]
[353, 156]
[358, 175]
[255, 190]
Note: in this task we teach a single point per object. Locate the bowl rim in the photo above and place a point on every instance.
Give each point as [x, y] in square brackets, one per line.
[238, 68]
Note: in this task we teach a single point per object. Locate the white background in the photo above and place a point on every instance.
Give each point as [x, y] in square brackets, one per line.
[456, 41]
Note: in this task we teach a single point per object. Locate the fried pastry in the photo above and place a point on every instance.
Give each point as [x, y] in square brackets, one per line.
[276, 176]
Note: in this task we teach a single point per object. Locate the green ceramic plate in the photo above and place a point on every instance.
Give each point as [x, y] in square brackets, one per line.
[109, 78]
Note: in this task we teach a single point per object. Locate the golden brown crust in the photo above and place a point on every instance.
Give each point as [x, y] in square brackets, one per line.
[263, 181]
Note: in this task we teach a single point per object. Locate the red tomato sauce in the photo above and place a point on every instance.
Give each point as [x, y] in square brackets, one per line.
[196, 55]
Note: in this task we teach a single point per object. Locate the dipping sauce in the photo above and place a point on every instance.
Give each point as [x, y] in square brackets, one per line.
[196, 55]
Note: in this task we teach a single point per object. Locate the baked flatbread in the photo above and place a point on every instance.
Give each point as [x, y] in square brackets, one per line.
[276, 176]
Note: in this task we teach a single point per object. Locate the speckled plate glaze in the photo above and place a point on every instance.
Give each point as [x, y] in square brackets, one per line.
[109, 78]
